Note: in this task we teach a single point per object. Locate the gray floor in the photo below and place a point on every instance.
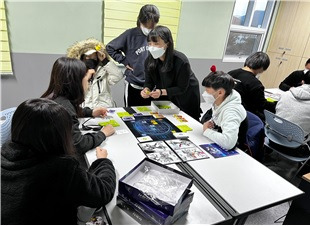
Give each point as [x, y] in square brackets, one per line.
[286, 169]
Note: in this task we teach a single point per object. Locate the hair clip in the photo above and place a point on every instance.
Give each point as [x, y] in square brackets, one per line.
[213, 68]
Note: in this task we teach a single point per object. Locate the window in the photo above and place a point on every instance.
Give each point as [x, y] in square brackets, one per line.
[248, 28]
[5, 62]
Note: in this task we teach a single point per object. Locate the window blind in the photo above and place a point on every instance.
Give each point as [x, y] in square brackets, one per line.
[5, 60]
[120, 15]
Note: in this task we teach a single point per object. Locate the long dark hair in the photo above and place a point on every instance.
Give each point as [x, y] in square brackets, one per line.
[44, 127]
[148, 13]
[66, 80]
[165, 34]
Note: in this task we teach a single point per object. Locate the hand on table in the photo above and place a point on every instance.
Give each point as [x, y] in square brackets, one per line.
[101, 152]
[208, 125]
[108, 130]
[100, 111]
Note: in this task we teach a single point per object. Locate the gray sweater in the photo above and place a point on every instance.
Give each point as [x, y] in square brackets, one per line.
[294, 106]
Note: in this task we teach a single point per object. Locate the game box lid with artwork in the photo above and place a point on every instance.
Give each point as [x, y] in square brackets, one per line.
[165, 107]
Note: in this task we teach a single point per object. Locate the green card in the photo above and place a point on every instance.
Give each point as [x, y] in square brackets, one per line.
[123, 114]
[112, 122]
[143, 108]
[184, 128]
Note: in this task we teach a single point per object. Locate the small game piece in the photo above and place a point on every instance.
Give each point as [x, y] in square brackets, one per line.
[144, 139]
[128, 118]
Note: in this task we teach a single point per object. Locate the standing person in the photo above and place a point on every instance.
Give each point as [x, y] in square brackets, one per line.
[41, 181]
[170, 73]
[225, 126]
[68, 85]
[130, 49]
[249, 87]
[94, 55]
[296, 78]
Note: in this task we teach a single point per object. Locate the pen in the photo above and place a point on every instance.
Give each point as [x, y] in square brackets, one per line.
[154, 89]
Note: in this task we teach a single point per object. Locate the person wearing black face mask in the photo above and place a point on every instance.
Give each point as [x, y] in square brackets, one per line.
[93, 54]
[91, 63]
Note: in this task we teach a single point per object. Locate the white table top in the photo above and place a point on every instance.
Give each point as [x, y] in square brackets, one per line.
[125, 154]
[240, 180]
[274, 93]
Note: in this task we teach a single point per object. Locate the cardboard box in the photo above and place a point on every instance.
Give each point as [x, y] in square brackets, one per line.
[148, 214]
[156, 185]
[165, 107]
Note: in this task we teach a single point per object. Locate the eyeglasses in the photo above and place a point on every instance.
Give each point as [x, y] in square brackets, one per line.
[90, 127]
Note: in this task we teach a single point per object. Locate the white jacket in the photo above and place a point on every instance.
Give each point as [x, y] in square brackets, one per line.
[99, 93]
[294, 106]
[228, 116]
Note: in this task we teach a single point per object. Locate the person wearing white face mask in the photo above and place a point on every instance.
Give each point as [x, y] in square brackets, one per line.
[169, 71]
[228, 123]
[130, 49]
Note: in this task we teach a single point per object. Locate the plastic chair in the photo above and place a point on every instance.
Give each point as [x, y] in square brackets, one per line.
[255, 136]
[6, 119]
[287, 134]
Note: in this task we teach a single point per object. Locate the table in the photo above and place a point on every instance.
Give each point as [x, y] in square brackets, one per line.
[273, 93]
[125, 154]
[238, 185]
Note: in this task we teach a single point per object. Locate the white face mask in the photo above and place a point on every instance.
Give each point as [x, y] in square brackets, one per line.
[209, 99]
[145, 30]
[156, 52]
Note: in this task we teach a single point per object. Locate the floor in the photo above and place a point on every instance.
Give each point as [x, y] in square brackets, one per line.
[275, 215]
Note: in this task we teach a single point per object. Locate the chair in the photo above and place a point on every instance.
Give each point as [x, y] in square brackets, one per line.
[6, 119]
[255, 136]
[286, 136]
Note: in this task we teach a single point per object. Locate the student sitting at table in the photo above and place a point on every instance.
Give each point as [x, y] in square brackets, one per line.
[68, 85]
[294, 106]
[227, 110]
[41, 181]
[296, 78]
[249, 87]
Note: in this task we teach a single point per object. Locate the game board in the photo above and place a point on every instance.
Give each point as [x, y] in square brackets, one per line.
[155, 128]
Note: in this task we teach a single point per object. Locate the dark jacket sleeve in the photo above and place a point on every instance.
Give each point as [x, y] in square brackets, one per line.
[95, 187]
[87, 112]
[85, 142]
[294, 79]
[183, 74]
[117, 46]
[260, 101]
[149, 82]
